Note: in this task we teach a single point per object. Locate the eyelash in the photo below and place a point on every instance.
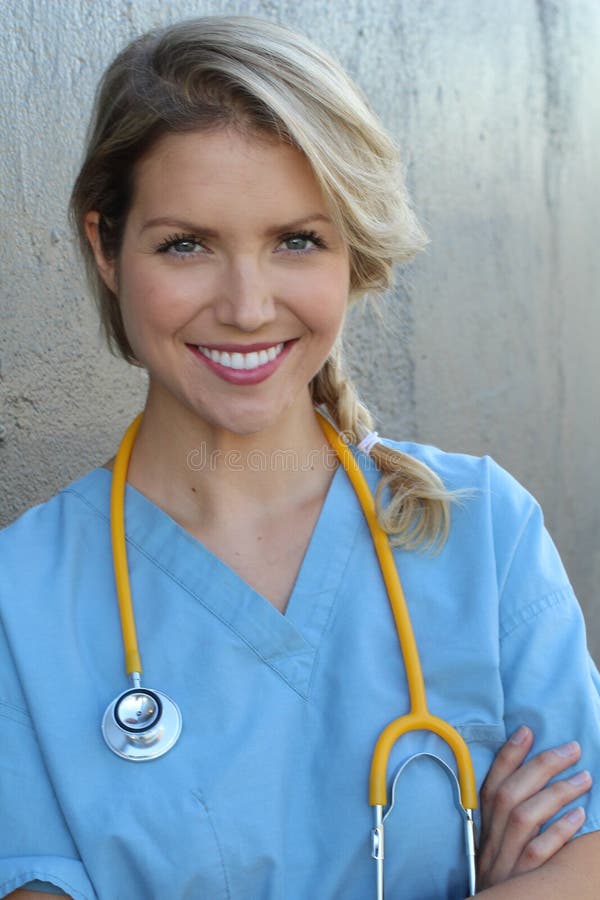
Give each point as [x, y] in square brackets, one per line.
[170, 242]
[173, 239]
[312, 236]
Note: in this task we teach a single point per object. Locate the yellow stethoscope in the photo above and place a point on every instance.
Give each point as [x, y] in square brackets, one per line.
[142, 724]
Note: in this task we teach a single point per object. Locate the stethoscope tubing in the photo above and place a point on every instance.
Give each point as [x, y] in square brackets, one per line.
[153, 722]
[133, 662]
[418, 718]
[155, 719]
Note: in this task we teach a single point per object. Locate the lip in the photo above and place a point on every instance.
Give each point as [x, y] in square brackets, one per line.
[243, 376]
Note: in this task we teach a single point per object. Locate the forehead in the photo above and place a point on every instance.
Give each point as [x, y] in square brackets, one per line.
[224, 169]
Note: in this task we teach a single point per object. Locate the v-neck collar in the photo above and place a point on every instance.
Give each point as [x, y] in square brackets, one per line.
[288, 643]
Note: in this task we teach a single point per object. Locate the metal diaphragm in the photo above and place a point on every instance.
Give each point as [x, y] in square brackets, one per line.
[141, 724]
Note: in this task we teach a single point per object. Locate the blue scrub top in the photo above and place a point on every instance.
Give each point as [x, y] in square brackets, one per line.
[265, 795]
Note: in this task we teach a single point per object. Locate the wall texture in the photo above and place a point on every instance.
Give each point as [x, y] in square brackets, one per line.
[491, 344]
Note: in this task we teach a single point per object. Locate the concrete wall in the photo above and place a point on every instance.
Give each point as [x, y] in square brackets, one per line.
[493, 348]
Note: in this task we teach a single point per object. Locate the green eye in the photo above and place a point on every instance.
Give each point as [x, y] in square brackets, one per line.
[297, 243]
[184, 246]
[302, 242]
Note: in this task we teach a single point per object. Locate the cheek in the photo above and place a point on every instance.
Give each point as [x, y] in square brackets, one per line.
[331, 303]
[324, 296]
[151, 303]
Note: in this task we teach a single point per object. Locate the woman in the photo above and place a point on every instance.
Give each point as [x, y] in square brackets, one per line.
[235, 194]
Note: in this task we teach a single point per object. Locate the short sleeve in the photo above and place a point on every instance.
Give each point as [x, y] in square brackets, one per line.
[44, 887]
[550, 682]
[35, 843]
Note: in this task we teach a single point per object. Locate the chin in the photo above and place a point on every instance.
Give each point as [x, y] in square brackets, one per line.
[245, 424]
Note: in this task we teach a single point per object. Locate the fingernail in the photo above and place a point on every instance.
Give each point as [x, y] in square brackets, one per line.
[580, 779]
[567, 749]
[575, 815]
[520, 735]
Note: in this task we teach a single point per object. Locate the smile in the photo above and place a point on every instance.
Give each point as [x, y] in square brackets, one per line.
[246, 361]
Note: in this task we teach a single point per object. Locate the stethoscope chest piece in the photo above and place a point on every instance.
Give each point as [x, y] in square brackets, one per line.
[141, 724]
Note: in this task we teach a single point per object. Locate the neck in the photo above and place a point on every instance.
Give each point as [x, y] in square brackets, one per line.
[199, 472]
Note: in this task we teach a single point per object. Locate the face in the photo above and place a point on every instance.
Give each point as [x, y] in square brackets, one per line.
[232, 279]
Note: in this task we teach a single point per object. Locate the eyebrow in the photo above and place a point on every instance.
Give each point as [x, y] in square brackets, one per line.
[195, 228]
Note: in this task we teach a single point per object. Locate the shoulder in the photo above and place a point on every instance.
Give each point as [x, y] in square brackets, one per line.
[45, 555]
[41, 549]
[496, 521]
[85, 498]
[481, 478]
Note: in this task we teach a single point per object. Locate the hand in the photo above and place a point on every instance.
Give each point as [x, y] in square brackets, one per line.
[516, 801]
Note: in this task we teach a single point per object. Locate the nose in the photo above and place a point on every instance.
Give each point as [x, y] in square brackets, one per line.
[245, 299]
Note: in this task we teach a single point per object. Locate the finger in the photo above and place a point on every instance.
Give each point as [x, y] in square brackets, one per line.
[507, 761]
[533, 776]
[528, 780]
[509, 757]
[543, 806]
[526, 819]
[546, 845]
[517, 788]
[537, 851]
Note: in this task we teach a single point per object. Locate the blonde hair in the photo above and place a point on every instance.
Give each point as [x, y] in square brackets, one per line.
[260, 77]
[418, 510]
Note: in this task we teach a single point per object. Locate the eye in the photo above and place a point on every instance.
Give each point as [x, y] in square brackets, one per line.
[180, 245]
[184, 247]
[302, 242]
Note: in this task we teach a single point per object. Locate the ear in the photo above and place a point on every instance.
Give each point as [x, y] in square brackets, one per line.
[106, 267]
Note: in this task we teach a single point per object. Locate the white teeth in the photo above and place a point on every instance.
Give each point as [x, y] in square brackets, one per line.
[251, 360]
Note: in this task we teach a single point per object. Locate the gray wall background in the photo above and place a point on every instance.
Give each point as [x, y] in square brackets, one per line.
[492, 344]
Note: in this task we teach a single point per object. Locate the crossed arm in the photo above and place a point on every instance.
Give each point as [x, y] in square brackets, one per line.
[516, 860]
